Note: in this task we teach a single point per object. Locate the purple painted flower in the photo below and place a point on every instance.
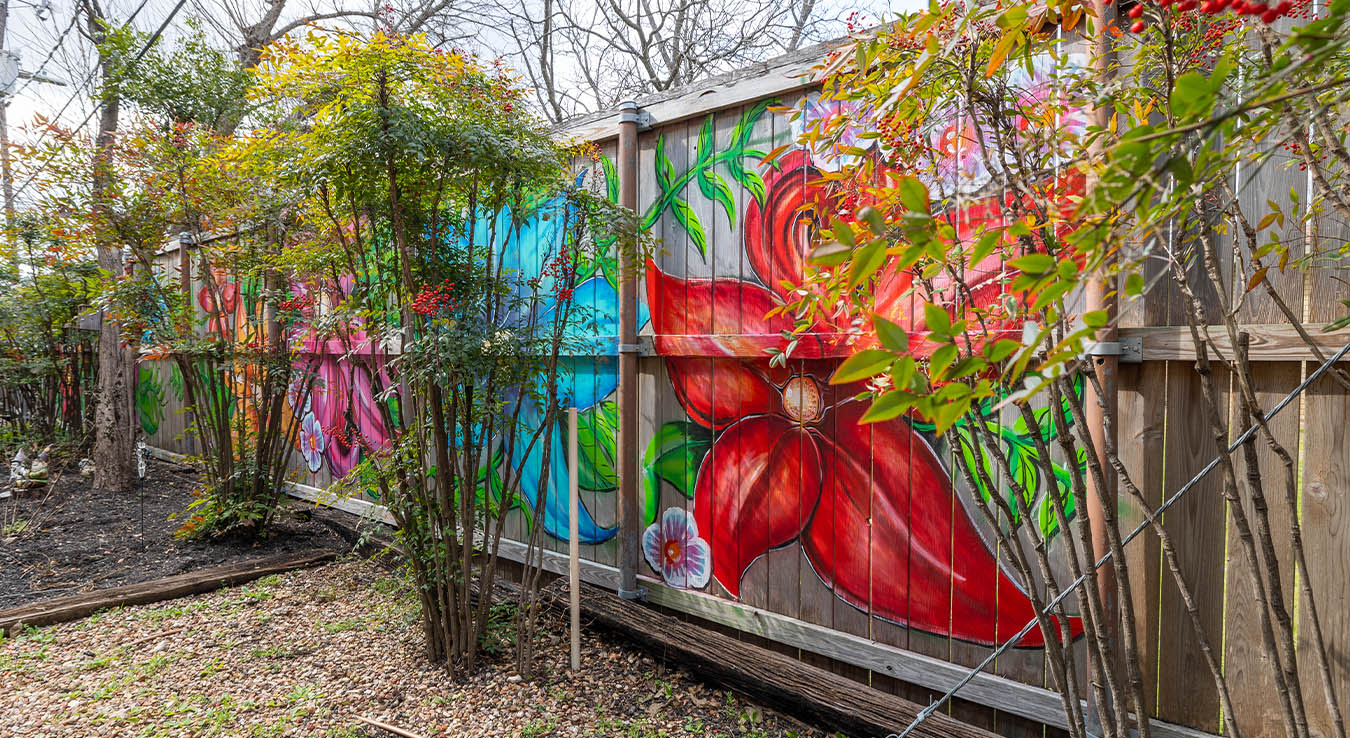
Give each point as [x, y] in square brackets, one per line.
[312, 442]
[674, 549]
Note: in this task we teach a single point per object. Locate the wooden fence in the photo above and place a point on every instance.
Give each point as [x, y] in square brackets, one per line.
[769, 512]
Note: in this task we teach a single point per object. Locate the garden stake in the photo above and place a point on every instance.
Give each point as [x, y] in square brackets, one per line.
[573, 544]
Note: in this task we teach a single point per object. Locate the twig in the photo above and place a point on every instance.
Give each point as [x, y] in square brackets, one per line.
[153, 636]
[390, 728]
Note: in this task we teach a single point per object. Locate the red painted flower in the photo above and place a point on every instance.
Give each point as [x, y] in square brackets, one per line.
[791, 462]
[219, 316]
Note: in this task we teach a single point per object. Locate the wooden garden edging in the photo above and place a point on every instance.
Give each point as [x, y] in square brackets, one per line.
[63, 609]
[772, 678]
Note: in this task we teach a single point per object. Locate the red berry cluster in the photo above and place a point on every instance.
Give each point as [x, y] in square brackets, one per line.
[563, 269]
[1267, 13]
[436, 299]
[299, 302]
[904, 139]
[857, 22]
[348, 435]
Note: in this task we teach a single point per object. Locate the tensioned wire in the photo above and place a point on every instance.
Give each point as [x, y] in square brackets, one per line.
[928, 711]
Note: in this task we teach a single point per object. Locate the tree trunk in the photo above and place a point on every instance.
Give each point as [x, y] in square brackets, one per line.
[114, 427]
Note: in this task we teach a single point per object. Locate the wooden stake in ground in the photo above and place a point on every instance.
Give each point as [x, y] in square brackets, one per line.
[387, 727]
[573, 545]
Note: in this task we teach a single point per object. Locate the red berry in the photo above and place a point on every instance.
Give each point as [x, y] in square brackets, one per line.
[1284, 7]
[1138, 27]
[1270, 16]
[1136, 11]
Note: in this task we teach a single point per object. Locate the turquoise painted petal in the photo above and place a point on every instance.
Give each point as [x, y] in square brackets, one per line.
[555, 510]
[584, 381]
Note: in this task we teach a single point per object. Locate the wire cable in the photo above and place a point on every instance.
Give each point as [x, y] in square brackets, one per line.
[928, 711]
[139, 55]
[75, 16]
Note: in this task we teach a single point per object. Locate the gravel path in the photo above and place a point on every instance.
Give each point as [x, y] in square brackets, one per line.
[302, 654]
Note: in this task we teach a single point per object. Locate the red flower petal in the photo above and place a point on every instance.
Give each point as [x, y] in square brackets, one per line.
[778, 236]
[701, 307]
[718, 392]
[756, 490]
[986, 280]
[909, 571]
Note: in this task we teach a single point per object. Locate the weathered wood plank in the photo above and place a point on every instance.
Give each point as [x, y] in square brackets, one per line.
[1325, 504]
[1196, 523]
[1142, 403]
[775, 679]
[1270, 342]
[63, 609]
[933, 673]
[1251, 682]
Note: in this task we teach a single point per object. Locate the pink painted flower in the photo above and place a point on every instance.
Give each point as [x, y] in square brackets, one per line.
[674, 549]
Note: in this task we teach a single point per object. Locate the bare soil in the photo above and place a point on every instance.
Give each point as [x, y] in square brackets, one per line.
[71, 538]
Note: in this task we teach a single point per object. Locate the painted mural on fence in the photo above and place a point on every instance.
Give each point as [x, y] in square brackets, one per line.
[340, 422]
[759, 457]
[771, 456]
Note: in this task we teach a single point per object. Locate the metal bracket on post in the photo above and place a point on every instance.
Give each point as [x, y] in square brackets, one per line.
[630, 348]
[1127, 350]
[629, 113]
[639, 594]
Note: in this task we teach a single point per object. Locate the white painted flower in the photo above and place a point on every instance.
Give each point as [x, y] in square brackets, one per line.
[674, 549]
[312, 442]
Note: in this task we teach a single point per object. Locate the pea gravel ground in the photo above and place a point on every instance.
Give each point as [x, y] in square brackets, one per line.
[304, 653]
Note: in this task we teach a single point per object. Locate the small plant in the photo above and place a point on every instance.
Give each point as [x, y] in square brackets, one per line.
[499, 630]
[16, 529]
[539, 727]
[343, 626]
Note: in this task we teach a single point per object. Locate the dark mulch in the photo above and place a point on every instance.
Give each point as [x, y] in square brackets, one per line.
[74, 538]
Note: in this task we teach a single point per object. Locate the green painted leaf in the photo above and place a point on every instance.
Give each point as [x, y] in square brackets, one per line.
[705, 142]
[715, 188]
[611, 178]
[665, 170]
[688, 219]
[149, 400]
[674, 455]
[750, 180]
[597, 439]
[745, 126]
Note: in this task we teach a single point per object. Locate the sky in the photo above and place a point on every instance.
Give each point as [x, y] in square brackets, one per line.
[70, 54]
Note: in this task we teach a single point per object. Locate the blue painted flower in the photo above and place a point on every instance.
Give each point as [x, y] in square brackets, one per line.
[588, 371]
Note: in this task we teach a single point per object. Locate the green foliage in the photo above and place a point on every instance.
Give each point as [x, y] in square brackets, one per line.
[44, 359]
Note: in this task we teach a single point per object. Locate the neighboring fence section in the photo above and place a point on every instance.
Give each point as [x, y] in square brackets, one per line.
[882, 568]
